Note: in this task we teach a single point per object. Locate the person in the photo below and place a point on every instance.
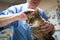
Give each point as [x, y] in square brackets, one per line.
[14, 17]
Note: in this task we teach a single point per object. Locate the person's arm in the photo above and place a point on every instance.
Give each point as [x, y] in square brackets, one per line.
[7, 19]
[43, 14]
[9, 15]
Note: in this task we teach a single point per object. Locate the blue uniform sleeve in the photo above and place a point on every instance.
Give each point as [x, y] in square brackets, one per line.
[11, 10]
[43, 14]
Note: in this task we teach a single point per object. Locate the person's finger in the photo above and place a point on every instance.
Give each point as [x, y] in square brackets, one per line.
[28, 10]
[47, 30]
[44, 26]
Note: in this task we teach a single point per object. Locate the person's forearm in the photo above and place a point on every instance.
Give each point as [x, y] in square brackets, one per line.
[7, 19]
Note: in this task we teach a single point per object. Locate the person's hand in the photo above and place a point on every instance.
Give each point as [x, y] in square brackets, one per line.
[21, 15]
[46, 27]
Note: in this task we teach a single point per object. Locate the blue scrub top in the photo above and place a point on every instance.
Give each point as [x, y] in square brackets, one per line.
[21, 30]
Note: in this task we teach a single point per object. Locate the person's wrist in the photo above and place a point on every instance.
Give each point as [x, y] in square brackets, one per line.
[20, 16]
[16, 18]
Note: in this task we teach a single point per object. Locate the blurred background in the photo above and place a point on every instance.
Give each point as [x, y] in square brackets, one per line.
[51, 7]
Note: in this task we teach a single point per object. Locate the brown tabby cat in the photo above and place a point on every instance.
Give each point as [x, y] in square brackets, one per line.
[34, 20]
